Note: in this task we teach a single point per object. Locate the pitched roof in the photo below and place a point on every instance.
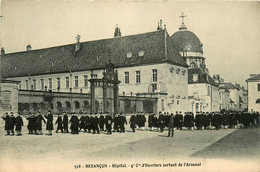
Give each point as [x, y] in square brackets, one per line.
[93, 55]
[203, 77]
[229, 85]
[254, 78]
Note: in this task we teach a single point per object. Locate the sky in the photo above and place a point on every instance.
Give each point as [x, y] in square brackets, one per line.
[229, 31]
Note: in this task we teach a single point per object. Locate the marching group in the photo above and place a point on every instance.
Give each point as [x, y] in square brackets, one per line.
[96, 123]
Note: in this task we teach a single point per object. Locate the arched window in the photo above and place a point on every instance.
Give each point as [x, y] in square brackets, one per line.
[77, 105]
[257, 101]
[192, 65]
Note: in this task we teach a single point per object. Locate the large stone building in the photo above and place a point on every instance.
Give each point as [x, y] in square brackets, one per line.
[253, 86]
[202, 90]
[151, 75]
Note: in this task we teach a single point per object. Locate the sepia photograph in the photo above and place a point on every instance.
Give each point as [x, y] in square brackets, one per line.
[91, 85]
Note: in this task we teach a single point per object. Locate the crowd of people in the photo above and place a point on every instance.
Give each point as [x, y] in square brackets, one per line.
[106, 122]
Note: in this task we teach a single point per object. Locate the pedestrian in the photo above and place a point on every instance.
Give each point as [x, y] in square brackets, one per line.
[150, 121]
[109, 122]
[6, 119]
[39, 120]
[59, 122]
[19, 124]
[101, 122]
[171, 126]
[160, 120]
[95, 125]
[12, 123]
[122, 122]
[30, 123]
[49, 124]
[82, 123]
[132, 122]
[65, 122]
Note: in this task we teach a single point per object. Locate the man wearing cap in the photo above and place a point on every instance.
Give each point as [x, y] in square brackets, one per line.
[49, 124]
[6, 119]
[59, 122]
[39, 120]
[19, 124]
[171, 126]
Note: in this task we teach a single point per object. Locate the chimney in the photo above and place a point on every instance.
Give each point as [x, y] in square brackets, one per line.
[77, 46]
[117, 31]
[2, 51]
[161, 24]
[158, 27]
[29, 47]
[165, 27]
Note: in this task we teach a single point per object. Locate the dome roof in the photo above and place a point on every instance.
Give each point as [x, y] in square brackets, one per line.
[185, 39]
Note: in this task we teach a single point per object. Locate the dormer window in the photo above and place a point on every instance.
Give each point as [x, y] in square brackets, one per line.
[52, 64]
[129, 54]
[97, 58]
[195, 77]
[15, 67]
[141, 53]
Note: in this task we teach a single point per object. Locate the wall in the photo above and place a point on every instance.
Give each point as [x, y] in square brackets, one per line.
[8, 97]
[253, 95]
[174, 82]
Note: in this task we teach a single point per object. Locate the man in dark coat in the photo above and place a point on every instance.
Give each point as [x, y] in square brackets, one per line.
[142, 121]
[65, 122]
[108, 122]
[88, 124]
[49, 124]
[19, 124]
[180, 121]
[91, 124]
[6, 119]
[76, 122]
[160, 120]
[95, 125]
[122, 122]
[132, 122]
[39, 120]
[171, 126]
[116, 123]
[150, 121]
[12, 123]
[198, 121]
[59, 122]
[82, 124]
[101, 122]
[30, 123]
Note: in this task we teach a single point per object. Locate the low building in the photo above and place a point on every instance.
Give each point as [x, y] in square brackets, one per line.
[253, 86]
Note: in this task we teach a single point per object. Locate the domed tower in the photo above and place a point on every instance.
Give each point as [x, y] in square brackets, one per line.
[189, 46]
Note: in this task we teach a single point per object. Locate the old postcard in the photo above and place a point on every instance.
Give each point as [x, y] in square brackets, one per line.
[129, 86]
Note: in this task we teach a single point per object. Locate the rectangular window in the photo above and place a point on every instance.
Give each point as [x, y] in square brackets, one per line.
[50, 83]
[67, 82]
[258, 87]
[126, 77]
[138, 77]
[58, 83]
[42, 84]
[34, 84]
[85, 80]
[154, 75]
[26, 85]
[76, 81]
[95, 76]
